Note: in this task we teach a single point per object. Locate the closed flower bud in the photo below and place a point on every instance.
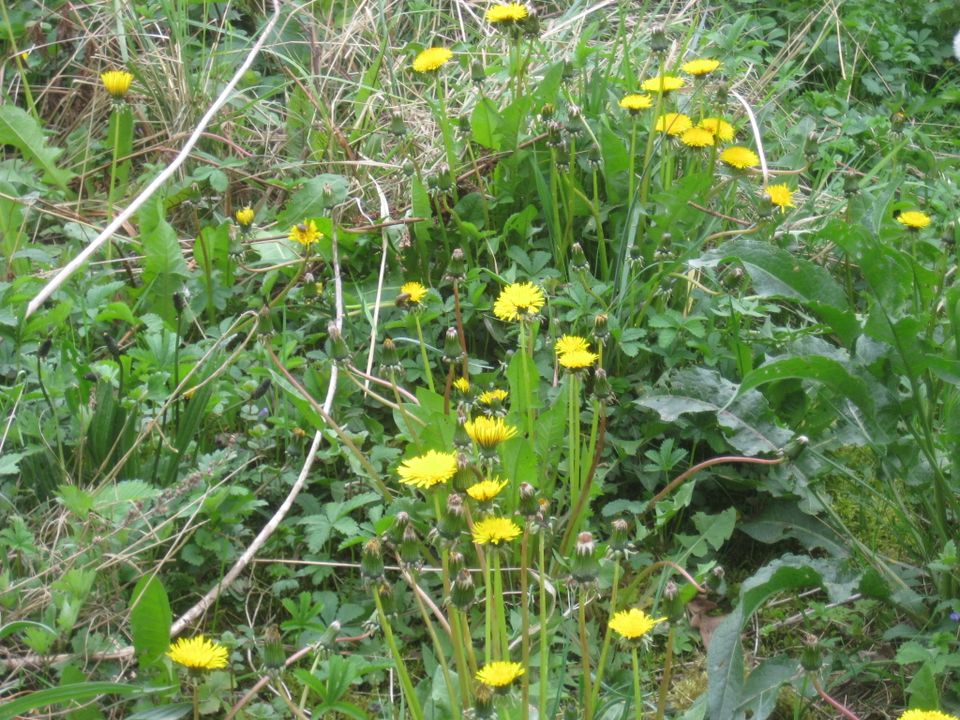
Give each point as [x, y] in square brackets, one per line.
[398, 127]
[619, 540]
[371, 562]
[452, 522]
[636, 255]
[389, 358]
[602, 389]
[410, 548]
[601, 332]
[578, 260]
[409, 168]
[112, 345]
[462, 442]
[658, 40]
[810, 659]
[796, 446]
[483, 702]
[400, 522]
[584, 566]
[528, 500]
[452, 352]
[272, 651]
[338, 348]
[547, 111]
[477, 73]
[456, 561]
[457, 269]
[44, 348]
[851, 185]
[260, 390]
[178, 302]
[328, 641]
[463, 591]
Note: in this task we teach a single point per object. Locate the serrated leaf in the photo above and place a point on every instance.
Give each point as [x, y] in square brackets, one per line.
[782, 519]
[484, 122]
[314, 198]
[21, 130]
[150, 620]
[762, 689]
[164, 267]
[746, 415]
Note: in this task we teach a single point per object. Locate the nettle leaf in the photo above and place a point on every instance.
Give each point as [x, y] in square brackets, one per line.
[783, 519]
[745, 415]
[19, 129]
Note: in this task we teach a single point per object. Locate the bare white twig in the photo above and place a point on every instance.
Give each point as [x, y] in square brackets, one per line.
[756, 136]
[384, 217]
[71, 267]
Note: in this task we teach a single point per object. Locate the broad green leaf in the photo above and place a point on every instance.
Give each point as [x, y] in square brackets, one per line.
[313, 199]
[762, 689]
[746, 415]
[782, 519]
[120, 130]
[817, 369]
[18, 625]
[77, 692]
[68, 676]
[164, 267]
[19, 129]
[166, 712]
[484, 122]
[923, 689]
[150, 620]
[10, 463]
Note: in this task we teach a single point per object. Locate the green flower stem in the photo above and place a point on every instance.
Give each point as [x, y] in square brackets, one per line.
[412, 701]
[573, 437]
[585, 653]
[115, 152]
[463, 672]
[558, 250]
[601, 241]
[648, 153]
[665, 679]
[637, 697]
[525, 624]
[607, 636]
[631, 160]
[463, 620]
[423, 354]
[441, 655]
[524, 378]
[407, 418]
[444, 120]
[488, 620]
[544, 636]
[196, 699]
[571, 189]
[499, 613]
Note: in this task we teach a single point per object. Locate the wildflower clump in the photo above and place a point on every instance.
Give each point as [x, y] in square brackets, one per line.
[198, 653]
[432, 59]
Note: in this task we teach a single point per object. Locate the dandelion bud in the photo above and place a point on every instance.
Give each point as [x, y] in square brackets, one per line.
[619, 541]
[44, 348]
[601, 333]
[765, 208]
[456, 561]
[112, 345]
[483, 702]
[463, 125]
[371, 563]
[547, 111]
[658, 40]
[810, 659]
[338, 348]
[723, 93]
[452, 352]
[452, 521]
[796, 446]
[530, 25]
[477, 73]
[463, 591]
[897, 121]
[400, 522]
[272, 651]
[461, 440]
[398, 128]
[443, 180]
[636, 255]
[528, 500]
[410, 548]
[457, 269]
[578, 260]
[328, 641]
[593, 158]
[568, 72]
[584, 566]
[409, 168]
[670, 590]
[389, 358]
[851, 185]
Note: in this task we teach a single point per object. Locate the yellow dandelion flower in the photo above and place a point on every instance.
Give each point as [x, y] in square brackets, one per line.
[489, 432]
[719, 127]
[663, 83]
[486, 490]
[432, 59]
[499, 674]
[305, 233]
[578, 359]
[739, 157]
[571, 343]
[635, 102]
[496, 396]
[414, 292]
[462, 384]
[780, 195]
[925, 715]
[697, 137]
[198, 653]
[518, 301]
[633, 624]
[425, 471]
[495, 530]
[244, 216]
[673, 123]
[506, 12]
[700, 67]
[117, 83]
[913, 219]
